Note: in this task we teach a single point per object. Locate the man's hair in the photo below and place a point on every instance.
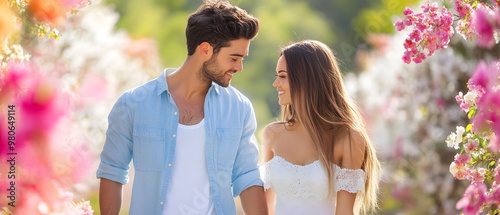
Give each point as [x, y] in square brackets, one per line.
[218, 23]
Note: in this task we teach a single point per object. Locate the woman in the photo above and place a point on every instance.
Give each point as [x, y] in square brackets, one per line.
[318, 158]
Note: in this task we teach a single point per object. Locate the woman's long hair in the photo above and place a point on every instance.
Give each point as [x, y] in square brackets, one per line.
[320, 102]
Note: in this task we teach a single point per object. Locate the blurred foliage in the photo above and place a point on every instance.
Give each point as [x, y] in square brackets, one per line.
[380, 19]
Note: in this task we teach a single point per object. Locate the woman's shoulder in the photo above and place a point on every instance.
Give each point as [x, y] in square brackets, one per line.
[352, 149]
[273, 129]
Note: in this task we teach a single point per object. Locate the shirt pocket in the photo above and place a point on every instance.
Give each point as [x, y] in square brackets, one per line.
[227, 147]
[149, 148]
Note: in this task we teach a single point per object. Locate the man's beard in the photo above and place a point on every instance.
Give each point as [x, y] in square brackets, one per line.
[210, 71]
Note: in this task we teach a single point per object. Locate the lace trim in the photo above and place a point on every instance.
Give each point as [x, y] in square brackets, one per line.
[350, 180]
[264, 175]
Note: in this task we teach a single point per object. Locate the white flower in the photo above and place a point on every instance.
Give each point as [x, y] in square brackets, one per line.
[470, 98]
[450, 140]
[460, 134]
[481, 171]
[453, 169]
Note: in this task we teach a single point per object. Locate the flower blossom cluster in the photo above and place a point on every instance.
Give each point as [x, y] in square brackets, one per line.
[432, 29]
[44, 171]
[478, 144]
[479, 148]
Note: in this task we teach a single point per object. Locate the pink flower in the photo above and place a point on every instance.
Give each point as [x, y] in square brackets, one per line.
[476, 175]
[400, 25]
[74, 3]
[17, 78]
[460, 100]
[470, 146]
[494, 195]
[461, 159]
[85, 208]
[485, 76]
[487, 115]
[40, 109]
[432, 31]
[494, 145]
[462, 8]
[473, 198]
[408, 11]
[484, 27]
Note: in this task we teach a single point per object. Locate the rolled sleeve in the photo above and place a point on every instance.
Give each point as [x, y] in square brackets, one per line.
[246, 171]
[245, 181]
[117, 151]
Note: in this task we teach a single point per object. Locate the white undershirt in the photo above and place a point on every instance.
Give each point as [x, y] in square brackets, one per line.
[188, 191]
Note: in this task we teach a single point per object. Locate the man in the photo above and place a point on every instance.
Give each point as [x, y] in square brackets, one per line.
[189, 134]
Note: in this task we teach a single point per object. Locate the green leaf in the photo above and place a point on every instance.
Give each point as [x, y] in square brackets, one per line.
[468, 128]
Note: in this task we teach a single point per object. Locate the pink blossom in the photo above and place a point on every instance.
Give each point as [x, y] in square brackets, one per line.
[460, 100]
[74, 3]
[465, 29]
[462, 8]
[17, 78]
[487, 115]
[432, 31]
[493, 197]
[484, 27]
[494, 145]
[470, 146]
[400, 25]
[40, 109]
[461, 159]
[408, 11]
[406, 57]
[496, 173]
[85, 208]
[473, 198]
[462, 172]
[476, 175]
[485, 77]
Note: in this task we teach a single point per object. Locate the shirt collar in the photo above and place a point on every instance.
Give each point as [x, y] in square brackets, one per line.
[162, 86]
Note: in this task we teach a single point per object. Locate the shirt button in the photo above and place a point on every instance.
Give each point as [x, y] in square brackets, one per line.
[173, 135]
[175, 113]
[161, 203]
[169, 164]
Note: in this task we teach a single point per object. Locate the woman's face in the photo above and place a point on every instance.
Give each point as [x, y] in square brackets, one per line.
[281, 83]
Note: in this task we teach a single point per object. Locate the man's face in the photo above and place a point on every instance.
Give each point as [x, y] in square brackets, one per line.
[221, 67]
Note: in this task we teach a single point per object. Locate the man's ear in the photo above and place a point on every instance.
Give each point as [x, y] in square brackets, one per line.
[206, 50]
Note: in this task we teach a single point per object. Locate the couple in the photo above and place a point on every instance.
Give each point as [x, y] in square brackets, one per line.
[191, 135]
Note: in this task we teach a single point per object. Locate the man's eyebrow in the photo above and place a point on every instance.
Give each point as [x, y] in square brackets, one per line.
[237, 55]
[282, 71]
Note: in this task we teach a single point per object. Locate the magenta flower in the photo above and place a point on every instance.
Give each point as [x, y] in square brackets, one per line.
[485, 77]
[432, 31]
[484, 26]
[40, 109]
[462, 8]
[15, 79]
[494, 195]
[461, 159]
[473, 198]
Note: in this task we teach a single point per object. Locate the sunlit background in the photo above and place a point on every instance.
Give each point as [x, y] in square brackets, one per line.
[110, 46]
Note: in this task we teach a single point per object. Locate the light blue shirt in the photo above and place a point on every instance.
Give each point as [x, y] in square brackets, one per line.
[143, 126]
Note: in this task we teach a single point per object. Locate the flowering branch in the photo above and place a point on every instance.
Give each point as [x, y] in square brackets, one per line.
[478, 144]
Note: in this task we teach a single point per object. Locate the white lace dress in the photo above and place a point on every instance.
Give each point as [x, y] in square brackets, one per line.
[304, 189]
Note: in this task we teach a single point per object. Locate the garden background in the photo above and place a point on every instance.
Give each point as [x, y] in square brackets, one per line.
[62, 70]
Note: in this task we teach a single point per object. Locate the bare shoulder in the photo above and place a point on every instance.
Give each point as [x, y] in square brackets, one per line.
[353, 147]
[272, 130]
[269, 135]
